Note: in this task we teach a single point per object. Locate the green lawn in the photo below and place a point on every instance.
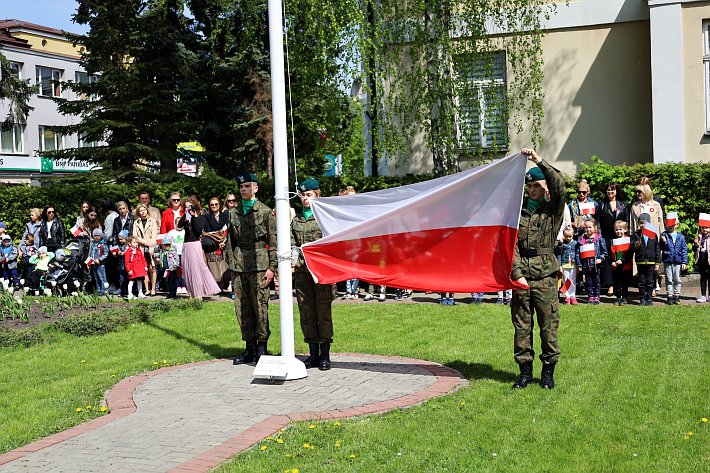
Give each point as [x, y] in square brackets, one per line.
[632, 382]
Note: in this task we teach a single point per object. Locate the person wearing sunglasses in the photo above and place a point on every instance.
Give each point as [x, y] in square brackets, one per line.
[213, 237]
[174, 211]
[51, 231]
[250, 250]
[230, 201]
[578, 217]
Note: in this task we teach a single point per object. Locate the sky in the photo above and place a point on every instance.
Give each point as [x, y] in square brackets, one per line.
[52, 13]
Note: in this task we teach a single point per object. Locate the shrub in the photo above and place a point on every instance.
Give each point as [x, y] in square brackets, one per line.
[24, 337]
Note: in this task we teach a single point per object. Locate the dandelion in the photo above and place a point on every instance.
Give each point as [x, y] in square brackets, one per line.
[689, 434]
[103, 409]
[312, 426]
[306, 445]
[79, 409]
[704, 419]
[263, 447]
[338, 443]
[269, 438]
[155, 363]
[83, 361]
[113, 375]
[279, 440]
[351, 456]
[337, 424]
[165, 362]
[88, 408]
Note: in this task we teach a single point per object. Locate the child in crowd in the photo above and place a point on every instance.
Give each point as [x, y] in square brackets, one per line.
[177, 238]
[122, 241]
[568, 262]
[41, 263]
[98, 252]
[8, 259]
[648, 256]
[589, 262]
[504, 297]
[352, 289]
[675, 258]
[170, 261]
[621, 264]
[447, 298]
[402, 294]
[702, 260]
[382, 297]
[476, 298]
[27, 250]
[136, 266]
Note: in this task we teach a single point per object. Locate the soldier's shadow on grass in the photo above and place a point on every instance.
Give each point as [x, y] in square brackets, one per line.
[216, 351]
[472, 371]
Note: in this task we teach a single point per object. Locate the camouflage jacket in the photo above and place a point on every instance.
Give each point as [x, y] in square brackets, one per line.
[537, 232]
[304, 231]
[248, 237]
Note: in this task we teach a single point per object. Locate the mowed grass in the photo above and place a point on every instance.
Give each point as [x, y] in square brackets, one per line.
[632, 383]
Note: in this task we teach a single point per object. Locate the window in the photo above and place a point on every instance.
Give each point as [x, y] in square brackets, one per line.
[83, 143]
[84, 78]
[706, 66]
[16, 69]
[49, 140]
[481, 102]
[48, 80]
[11, 141]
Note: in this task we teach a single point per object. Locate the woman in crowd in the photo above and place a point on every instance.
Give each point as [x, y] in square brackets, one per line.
[91, 222]
[32, 227]
[172, 213]
[230, 201]
[51, 230]
[124, 221]
[213, 236]
[83, 210]
[198, 279]
[645, 203]
[145, 229]
[613, 208]
[645, 180]
[578, 217]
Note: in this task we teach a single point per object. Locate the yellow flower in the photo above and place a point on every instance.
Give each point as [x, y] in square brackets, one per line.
[103, 409]
[165, 362]
[337, 424]
[269, 438]
[312, 426]
[263, 447]
[113, 375]
[689, 434]
[305, 445]
[279, 440]
[155, 363]
[83, 361]
[79, 409]
[351, 456]
[88, 407]
[704, 419]
[288, 455]
[295, 470]
[338, 443]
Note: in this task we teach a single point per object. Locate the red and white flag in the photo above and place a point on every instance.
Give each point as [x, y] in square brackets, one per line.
[671, 218]
[89, 261]
[650, 230]
[587, 251]
[114, 249]
[704, 220]
[586, 208]
[456, 233]
[75, 230]
[620, 244]
[160, 237]
[565, 287]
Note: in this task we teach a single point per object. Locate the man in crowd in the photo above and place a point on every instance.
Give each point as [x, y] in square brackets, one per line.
[144, 198]
[250, 250]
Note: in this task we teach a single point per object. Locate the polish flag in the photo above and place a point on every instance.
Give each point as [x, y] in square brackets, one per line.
[455, 233]
[704, 220]
[89, 261]
[586, 208]
[671, 218]
[565, 287]
[113, 249]
[587, 251]
[620, 244]
[160, 237]
[75, 230]
[650, 230]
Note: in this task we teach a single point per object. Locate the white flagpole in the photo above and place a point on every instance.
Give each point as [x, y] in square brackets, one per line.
[287, 366]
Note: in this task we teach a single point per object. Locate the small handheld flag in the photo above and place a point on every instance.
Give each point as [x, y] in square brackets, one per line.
[113, 249]
[586, 208]
[587, 251]
[75, 230]
[89, 261]
[671, 219]
[620, 244]
[650, 230]
[565, 287]
[704, 220]
[159, 239]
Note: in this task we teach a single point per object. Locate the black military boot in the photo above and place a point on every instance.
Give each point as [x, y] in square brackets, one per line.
[324, 364]
[248, 355]
[313, 359]
[260, 350]
[547, 380]
[525, 377]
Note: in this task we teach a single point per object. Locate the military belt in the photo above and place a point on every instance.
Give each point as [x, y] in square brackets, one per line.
[537, 252]
[252, 246]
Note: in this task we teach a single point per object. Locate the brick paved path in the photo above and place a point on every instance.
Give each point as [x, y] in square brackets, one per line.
[193, 417]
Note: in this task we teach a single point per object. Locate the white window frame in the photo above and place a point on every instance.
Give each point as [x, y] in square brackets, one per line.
[480, 85]
[86, 144]
[56, 76]
[18, 65]
[90, 79]
[18, 131]
[58, 139]
[706, 72]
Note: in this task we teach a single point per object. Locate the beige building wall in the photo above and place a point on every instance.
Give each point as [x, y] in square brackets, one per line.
[697, 143]
[597, 96]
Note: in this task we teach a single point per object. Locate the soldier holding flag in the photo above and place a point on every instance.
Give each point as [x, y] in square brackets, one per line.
[535, 265]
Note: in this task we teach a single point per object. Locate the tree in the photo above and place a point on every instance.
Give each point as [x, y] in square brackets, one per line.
[16, 93]
[139, 63]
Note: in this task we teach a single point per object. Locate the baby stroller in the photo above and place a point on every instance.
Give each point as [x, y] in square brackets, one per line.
[68, 271]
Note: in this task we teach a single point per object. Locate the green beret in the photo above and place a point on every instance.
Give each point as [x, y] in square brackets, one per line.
[534, 174]
[247, 177]
[308, 185]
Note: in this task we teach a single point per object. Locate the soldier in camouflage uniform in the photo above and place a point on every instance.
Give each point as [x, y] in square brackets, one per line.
[535, 265]
[314, 300]
[250, 250]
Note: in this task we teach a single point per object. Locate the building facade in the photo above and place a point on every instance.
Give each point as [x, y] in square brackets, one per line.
[44, 56]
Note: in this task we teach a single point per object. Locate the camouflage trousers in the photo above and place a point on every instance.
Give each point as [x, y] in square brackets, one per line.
[314, 306]
[542, 299]
[251, 303]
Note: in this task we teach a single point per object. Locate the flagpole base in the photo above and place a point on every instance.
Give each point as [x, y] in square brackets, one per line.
[280, 368]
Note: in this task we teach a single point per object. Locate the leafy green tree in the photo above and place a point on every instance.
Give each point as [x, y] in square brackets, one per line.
[15, 93]
[141, 54]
